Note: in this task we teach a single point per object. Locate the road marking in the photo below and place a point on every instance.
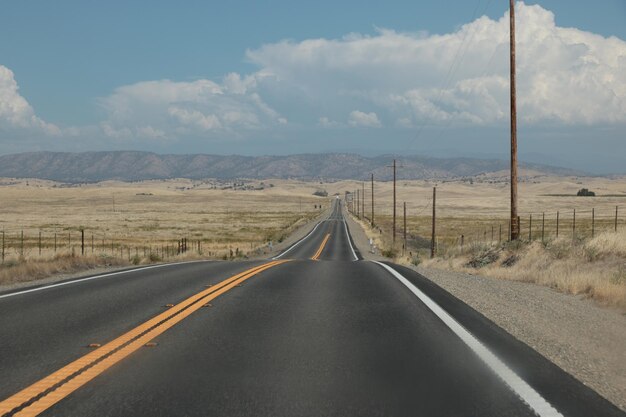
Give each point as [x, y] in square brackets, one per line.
[75, 281]
[524, 391]
[305, 237]
[48, 391]
[321, 248]
[298, 242]
[356, 258]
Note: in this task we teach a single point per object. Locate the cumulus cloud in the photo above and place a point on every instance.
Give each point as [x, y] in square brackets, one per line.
[173, 109]
[326, 122]
[15, 112]
[565, 75]
[361, 119]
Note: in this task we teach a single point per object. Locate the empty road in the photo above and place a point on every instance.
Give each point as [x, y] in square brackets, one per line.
[316, 331]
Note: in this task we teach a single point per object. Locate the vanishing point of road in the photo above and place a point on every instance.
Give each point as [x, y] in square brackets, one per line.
[316, 331]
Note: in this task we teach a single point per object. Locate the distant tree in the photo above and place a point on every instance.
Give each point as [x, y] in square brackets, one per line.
[584, 192]
[321, 193]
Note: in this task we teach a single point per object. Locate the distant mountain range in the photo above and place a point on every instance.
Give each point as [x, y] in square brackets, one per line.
[136, 166]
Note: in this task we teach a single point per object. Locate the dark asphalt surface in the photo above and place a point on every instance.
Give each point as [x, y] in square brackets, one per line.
[332, 337]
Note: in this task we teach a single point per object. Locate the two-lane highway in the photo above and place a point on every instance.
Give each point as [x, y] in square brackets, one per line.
[314, 332]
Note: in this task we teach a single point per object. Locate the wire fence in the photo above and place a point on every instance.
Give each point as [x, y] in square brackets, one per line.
[414, 232]
[44, 244]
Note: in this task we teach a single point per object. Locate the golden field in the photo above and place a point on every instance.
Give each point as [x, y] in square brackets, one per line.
[576, 262]
[142, 222]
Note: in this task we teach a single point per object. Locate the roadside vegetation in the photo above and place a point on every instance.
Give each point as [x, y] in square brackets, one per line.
[594, 268]
[126, 224]
[590, 267]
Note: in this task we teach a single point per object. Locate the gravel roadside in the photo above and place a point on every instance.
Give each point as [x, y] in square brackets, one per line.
[584, 339]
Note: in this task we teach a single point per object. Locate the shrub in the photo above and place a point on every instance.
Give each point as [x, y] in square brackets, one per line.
[483, 258]
[584, 192]
[321, 193]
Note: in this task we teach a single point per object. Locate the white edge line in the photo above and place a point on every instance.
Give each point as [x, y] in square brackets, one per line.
[74, 281]
[524, 391]
[356, 258]
[300, 241]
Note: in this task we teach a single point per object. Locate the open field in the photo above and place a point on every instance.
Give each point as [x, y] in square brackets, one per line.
[589, 260]
[143, 222]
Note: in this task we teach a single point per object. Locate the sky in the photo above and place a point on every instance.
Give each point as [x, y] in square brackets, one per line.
[284, 77]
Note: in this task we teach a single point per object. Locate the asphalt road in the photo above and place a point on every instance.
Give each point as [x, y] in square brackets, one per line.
[334, 336]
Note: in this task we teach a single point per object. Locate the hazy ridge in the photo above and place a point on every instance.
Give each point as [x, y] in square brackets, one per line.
[136, 166]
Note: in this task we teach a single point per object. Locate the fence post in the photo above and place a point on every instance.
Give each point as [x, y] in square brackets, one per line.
[530, 229]
[40, 243]
[69, 240]
[2, 245]
[22, 245]
[462, 243]
[82, 242]
[593, 222]
[543, 227]
[616, 218]
[92, 243]
[55, 241]
[557, 224]
[492, 234]
[574, 226]
[500, 234]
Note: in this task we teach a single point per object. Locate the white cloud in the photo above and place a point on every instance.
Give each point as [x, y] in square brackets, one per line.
[360, 119]
[174, 109]
[15, 112]
[326, 122]
[565, 75]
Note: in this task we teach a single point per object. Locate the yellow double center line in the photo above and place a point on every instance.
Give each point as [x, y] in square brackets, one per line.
[48, 391]
[321, 248]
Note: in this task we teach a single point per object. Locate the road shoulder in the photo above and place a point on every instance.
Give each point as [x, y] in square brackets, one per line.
[582, 338]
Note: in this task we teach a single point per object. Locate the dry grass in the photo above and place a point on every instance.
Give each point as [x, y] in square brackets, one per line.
[594, 268]
[142, 222]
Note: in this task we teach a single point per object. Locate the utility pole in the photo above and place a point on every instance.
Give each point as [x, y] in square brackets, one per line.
[373, 203]
[363, 199]
[393, 232]
[514, 224]
[432, 239]
[404, 229]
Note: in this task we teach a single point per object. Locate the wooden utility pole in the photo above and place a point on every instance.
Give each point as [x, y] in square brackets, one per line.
[393, 231]
[514, 224]
[404, 229]
[432, 239]
[373, 201]
[363, 199]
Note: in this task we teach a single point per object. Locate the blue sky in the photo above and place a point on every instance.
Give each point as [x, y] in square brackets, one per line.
[250, 77]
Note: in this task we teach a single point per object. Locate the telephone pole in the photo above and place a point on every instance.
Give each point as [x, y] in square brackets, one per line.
[404, 229]
[434, 234]
[363, 199]
[393, 232]
[373, 202]
[514, 223]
